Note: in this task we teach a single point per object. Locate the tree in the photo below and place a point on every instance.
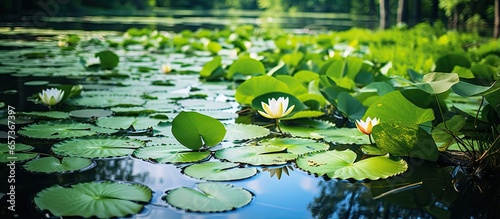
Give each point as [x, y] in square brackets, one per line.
[384, 14]
[401, 12]
[496, 23]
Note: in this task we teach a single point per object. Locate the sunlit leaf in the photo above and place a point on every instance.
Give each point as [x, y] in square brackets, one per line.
[194, 130]
[97, 147]
[219, 171]
[256, 155]
[246, 66]
[61, 129]
[56, 165]
[342, 165]
[171, 154]
[436, 83]
[256, 86]
[240, 132]
[98, 199]
[297, 145]
[210, 197]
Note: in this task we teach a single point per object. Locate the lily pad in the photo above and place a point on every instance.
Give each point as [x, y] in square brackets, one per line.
[342, 165]
[297, 145]
[61, 129]
[246, 66]
[47, 114]
[194, 130]
[124, 122]
[89, 113]
[106, 101]
[436, 83]
[256, 86]
[256, 155]
[241, 132]
[219, 171]
[94, 199]
[342, 135]
[56, 165]
[17, 153]
[211, 197]
[97, 147]
[171, 154]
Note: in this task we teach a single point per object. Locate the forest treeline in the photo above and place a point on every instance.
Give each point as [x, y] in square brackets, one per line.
[390, 12]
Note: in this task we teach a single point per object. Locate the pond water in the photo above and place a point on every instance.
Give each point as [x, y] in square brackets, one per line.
[279, 191]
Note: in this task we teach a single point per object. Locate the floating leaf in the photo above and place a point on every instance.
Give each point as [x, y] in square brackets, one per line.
[97, 147]
[194, 130]
[124, 122]
[240, 132]
[256, 155]
[15, 152]
[350, 106]
[106, 101]
[47, 114]
[171, 154]
[94, 199]
[202, 105]
[211, 197]
[109, 59]
[61, 129]
[343, 136]
[401, 139]
[297, 145]
[219, 171]
[89, 113]
[56, 165]
[436, 83]
[342, 165]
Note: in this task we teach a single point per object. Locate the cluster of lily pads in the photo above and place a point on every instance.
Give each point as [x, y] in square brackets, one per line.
[225, 102]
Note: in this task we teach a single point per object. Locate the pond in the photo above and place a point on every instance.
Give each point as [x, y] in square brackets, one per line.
[129, 98]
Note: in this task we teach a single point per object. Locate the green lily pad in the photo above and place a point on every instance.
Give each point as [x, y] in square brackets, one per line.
[436, 83]
[89, 113]
[256, 86]
[16, 155]
[106, 101]
[211, 197]
[194, 130]
[61, 129]
[401, 139]
[241, 132]
[97, 147]
[256, 155]
[342, 165]
[94, 199]
[201, 105]
[297, 145]
[393, 106]
[47, 114]
[124, 122]
[246, 66]
[108, 59]
[219, 171]
[342, 135]
[171, 154]
[56, 165]
[446, 134]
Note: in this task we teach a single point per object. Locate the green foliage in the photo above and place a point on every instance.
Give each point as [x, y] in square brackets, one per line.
[99, 199]
[210, 197]
[195, 130]
[109, 59]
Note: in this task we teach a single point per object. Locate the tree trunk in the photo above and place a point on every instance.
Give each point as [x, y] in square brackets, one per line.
[434, 10]
[496, 25]
[401, 12]
[384, 15]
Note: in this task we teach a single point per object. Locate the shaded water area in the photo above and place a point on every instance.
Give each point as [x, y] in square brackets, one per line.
[281, 191]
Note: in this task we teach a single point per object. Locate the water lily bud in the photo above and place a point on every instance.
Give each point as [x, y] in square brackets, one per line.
[51, 97]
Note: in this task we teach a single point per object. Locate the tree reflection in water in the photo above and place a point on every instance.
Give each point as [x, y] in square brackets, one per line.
[352, 200]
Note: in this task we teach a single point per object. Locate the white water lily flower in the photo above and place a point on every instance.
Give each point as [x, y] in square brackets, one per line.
[51, 96]
[276, 108]
[366, 126]
[167, 68]
[93, 61]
